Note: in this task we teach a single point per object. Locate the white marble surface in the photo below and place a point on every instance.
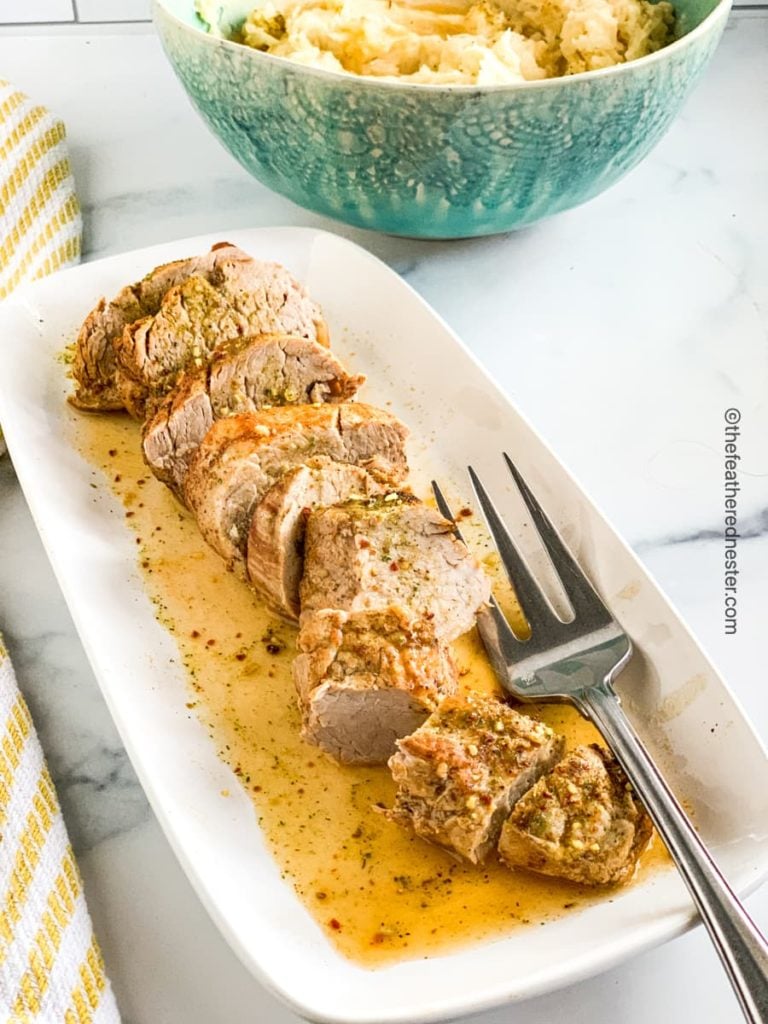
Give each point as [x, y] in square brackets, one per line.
[623, 330]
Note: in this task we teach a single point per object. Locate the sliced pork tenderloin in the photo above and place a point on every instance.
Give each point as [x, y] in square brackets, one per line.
[259, 297]
[459, 775]
[173, 434]
[241, 457]
[275, 551]
[94, 367]
[243, 376]
[582, 822]
[193, 320]
[240, 298]
[95, 364]
[369, 554]
[269, 298]
[364, 679]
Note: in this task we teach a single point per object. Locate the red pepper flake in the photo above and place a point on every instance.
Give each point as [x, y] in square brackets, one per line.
[118, 478]
[238, 635]
[129, 514]
[378, 939]
[195, 634]
[210, 643]
[321, 895]
[465, 513]
[363, 543]
[394, 567]
[257, 789]
[273, 648]
[112, 452]
[238, 770]
[335, 924]
[240, 656]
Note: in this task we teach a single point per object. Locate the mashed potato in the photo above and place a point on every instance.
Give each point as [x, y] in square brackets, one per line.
[456, 41]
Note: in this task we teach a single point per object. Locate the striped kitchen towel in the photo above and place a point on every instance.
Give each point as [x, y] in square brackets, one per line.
[51, 970]
[40, 225]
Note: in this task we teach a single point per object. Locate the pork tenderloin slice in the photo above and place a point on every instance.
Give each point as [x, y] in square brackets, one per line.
[582, 822]
[242, 376]
[239, 298]
[241, 457]
[172, 436]
[269, 298]
[95, 363]
[277, 370]
[460, 774]
[276, 539]
[369, 554]
[364, 679]
[193, 320]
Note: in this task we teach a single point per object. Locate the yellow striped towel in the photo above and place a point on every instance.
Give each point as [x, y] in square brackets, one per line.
[40, 224]
[51, 970]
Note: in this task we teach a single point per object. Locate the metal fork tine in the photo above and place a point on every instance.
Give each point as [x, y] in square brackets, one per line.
[444, 508]
[535, 606]
[494, 630]
[501, 645]
[580, 592]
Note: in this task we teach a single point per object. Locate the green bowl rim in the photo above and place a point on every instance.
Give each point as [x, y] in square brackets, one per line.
[719, 13]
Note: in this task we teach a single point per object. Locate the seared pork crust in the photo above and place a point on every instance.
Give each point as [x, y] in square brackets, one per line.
[582, 822]
[459, 775]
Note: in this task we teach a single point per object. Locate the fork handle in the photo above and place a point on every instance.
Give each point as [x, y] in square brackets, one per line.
[742, 948]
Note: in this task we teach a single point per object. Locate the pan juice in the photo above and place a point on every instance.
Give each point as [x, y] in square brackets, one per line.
[379, 893]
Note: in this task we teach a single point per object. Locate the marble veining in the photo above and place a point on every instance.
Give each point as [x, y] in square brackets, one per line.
[623, 330]
[753, 527]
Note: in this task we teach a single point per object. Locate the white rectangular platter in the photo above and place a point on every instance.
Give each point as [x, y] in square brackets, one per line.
[457, 415]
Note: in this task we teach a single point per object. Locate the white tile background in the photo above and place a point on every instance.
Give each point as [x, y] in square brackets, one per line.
[35, 11]
[112, 10]
[21, 12]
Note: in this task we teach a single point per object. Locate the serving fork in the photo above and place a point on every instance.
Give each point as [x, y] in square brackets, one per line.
[577, 662]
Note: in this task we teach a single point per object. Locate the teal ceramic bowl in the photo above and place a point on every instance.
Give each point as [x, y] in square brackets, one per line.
[434, 161]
